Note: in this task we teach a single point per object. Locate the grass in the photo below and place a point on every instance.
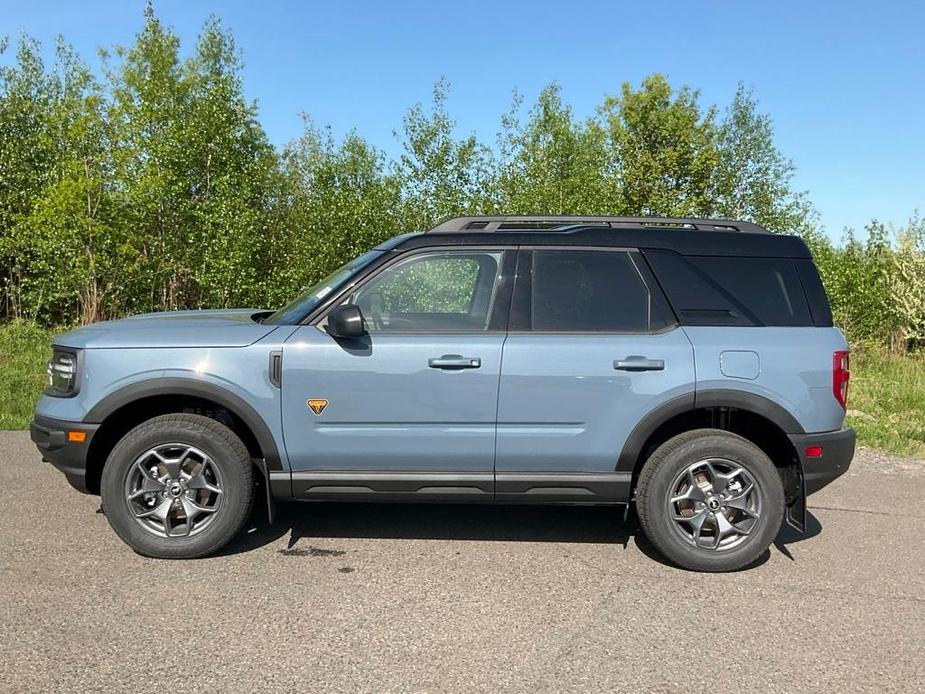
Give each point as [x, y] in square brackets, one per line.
[24, 352]
[886, 400]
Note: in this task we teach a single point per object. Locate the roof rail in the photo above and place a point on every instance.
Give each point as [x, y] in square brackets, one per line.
[488, 223]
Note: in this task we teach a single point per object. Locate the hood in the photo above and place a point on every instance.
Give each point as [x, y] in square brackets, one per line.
[210, 328]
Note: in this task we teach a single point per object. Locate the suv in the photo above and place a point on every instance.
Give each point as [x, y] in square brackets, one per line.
[687, 366]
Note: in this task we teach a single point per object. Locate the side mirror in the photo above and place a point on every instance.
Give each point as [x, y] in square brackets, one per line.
[346, 321]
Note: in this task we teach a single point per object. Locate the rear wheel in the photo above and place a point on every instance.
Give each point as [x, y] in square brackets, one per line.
[710, 500]
[178, 486]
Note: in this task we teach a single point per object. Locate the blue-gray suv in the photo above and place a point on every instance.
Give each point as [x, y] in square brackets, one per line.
[688, 367]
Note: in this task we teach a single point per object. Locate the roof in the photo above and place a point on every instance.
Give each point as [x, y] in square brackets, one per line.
[688, 236]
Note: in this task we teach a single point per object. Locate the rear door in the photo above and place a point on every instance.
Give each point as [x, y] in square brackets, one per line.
[592, 349]
[410, 407]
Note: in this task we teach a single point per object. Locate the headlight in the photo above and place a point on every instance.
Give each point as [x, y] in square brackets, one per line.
[62, 372]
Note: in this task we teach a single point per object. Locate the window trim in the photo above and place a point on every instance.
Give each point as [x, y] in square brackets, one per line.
[522, 300]
[499, 310]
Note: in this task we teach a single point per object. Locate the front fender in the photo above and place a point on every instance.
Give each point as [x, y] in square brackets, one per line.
[140, 390]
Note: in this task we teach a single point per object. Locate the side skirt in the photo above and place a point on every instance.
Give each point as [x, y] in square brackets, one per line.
[450, 487]
[558, 488]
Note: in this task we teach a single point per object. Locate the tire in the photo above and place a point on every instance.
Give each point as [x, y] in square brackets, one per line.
[690, 480]
[192, 482]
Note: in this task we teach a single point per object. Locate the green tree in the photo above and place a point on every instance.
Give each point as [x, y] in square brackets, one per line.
[440, 176]
[907, 283]
[27, 153]
[69, 243]
[553, 164]
[664, 147]
[194, 167]
[231, 176]
[341, 202]
[752, 179]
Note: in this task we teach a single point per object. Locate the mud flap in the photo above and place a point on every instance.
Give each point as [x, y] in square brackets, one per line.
[265, 483]
[796, 513]
[796, 498]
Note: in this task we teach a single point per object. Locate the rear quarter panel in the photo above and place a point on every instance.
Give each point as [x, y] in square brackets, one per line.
[793, 368]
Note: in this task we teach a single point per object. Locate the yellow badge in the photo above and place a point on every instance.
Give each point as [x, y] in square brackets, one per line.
[317, 406]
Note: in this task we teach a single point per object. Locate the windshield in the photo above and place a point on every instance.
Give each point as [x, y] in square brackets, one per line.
[309, 299]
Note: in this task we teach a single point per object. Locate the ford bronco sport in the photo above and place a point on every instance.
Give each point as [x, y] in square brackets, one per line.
[687, 366]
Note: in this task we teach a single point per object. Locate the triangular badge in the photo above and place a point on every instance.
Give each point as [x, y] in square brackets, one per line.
[317, 406]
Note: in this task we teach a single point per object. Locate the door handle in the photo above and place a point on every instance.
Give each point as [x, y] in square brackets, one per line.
[454, 361]
[637, 363]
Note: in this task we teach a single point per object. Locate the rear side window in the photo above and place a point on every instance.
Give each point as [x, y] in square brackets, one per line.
[721, 290]
[815, 294]
[584, 291]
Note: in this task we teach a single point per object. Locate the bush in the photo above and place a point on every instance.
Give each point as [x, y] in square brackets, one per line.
[877, 287]
[24, 351]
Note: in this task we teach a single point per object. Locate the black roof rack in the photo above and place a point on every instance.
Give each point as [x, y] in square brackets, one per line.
[569, 222]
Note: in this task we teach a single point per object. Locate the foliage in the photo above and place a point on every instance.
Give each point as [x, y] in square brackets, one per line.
[340, 201]
[439, 176]
[886, 399]
[155, 187]
[907, 283]
[24, 352]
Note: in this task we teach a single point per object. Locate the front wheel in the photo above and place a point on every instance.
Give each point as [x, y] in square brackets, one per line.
[178, 486]
[710, 500]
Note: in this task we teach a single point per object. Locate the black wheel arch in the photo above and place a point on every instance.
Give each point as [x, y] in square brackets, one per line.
[128, 406]
[141, 390]
[762, 421]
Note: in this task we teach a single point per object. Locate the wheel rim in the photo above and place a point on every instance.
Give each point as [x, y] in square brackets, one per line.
[714, 504]
[174, 490]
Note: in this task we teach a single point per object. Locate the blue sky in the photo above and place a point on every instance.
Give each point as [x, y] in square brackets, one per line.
[844, 81]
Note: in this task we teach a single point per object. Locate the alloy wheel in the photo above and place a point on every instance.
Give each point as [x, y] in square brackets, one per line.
[715, 504]
[174, 490]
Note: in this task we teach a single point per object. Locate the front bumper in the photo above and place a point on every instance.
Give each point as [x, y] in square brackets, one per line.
[837, 452]
[51, 438]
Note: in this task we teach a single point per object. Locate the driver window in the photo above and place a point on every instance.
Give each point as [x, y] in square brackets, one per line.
[432, 292]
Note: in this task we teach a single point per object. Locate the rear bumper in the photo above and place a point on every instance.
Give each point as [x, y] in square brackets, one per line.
[50, 437]
[837, 452]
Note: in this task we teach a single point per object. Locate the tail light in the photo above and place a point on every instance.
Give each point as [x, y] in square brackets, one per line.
[840, 375]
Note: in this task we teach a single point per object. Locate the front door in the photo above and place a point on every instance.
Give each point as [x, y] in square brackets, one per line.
[410, 408]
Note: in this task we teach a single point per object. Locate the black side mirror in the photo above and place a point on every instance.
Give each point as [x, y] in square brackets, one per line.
[346, 321]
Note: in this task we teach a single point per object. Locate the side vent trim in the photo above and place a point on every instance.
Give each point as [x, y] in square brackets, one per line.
[276, 368]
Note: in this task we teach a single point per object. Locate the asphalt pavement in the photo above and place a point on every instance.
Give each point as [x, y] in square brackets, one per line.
[340, 597]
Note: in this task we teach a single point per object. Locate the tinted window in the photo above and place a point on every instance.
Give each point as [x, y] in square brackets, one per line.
[432, 292]
[769, 287]
[587, 291]
[815, 293]
[720, 290]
